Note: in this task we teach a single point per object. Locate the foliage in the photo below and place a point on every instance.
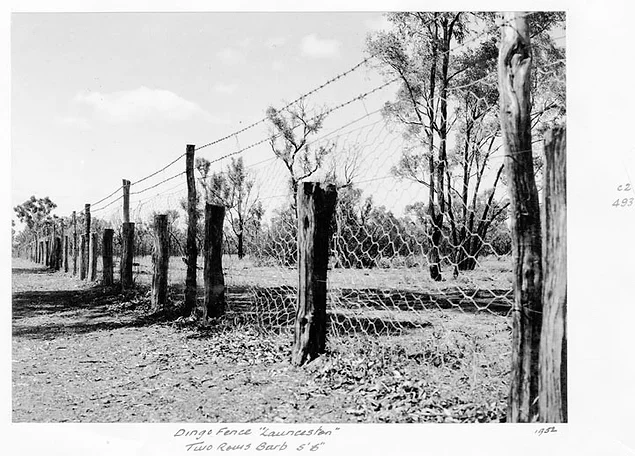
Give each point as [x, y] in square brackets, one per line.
[300, 158]
[34, 212]
[233, 189]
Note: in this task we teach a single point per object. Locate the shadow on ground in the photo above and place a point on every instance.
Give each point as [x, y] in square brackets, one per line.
[48, 314]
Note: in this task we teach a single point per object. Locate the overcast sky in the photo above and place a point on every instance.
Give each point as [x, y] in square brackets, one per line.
[101, 97]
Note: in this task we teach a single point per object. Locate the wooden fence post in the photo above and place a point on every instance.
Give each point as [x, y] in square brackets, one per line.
[62, 256]
[126, 201]
[86, 259]
[514, 68]
[160, 263]
[57, 247]
[75, 249]
[47, 262]
[553, 339]
[66, 253]
[53, 258]
[127, 240]
[106, 254]
[315, 210]
[127, 255]
[82, 257]
[214, 303]
[92, 258]
[192, 220]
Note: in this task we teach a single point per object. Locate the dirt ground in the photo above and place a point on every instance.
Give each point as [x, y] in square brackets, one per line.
[84, 353]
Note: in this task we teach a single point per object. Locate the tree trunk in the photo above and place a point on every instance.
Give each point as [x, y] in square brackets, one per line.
[106, 254]
[127, 255]
[214, 304]
[241, 251]
[553, 341]
[514, 67]
[160, 263]
[315, 209]
[192, 220]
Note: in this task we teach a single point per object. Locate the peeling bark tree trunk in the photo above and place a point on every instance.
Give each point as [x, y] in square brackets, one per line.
[315, 209]
[514, 67]
[214, 303]
[553, 341]
[160, 263]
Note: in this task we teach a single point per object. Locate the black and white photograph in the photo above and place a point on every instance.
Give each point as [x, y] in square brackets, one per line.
[262, 230]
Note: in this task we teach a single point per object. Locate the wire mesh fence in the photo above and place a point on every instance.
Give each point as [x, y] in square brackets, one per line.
[420, 235]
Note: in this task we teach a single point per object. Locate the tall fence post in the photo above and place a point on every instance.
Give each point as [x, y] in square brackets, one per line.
[86, 258]
[62, 257]
[126, 201]
[127, 238]
[53, 259]
[127, 255]
[106, 255]
[192, 220]
[64, 248]
[514, 68]
[75, 249]
[214, 302]
[57, 247]
[160, 263]
[82, 257]
[315, 210]
[553, 338]
[92, 257]
[47, 258]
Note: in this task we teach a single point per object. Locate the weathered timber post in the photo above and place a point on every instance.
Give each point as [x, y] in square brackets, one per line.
[514, 69]
[92, 258]
[127, 255]
[53, 257]
[66, 253]
[553, 338]
[192, 220]
[106, 254]
[57, 247]
[160, 263]
[75, 249]
[214, 303]
[127, 238]
[82, 257]
[47, 262]
[126, 200]
[62, 256]
[86, 259]
[315, 210]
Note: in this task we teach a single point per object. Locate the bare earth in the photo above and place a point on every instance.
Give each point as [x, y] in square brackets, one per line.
[83, 353]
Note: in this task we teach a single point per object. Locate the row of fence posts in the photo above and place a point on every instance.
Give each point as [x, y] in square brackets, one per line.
[316, 204]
